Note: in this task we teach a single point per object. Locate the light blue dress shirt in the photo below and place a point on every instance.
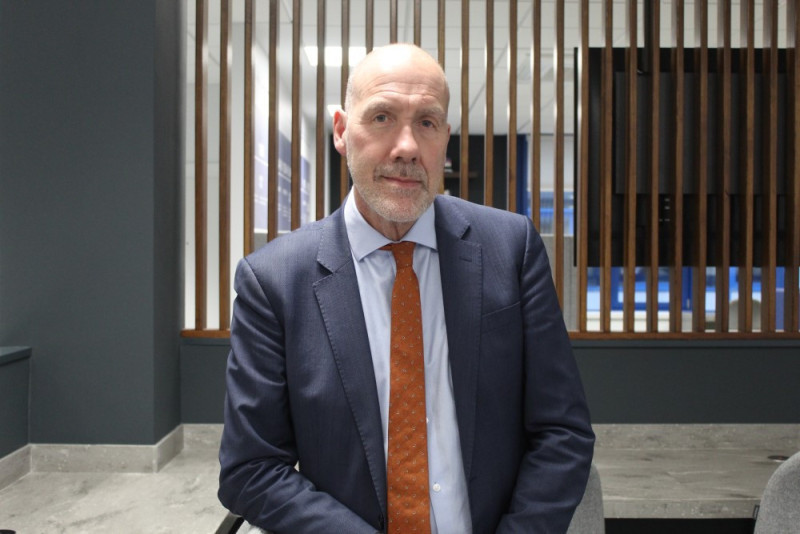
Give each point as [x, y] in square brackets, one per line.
[375, 270]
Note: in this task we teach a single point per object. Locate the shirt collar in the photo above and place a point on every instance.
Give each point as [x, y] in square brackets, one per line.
[364, 239]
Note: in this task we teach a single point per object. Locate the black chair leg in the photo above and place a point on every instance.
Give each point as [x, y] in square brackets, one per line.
[230, 524]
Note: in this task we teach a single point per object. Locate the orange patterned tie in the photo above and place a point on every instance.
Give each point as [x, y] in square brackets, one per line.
[407, 465]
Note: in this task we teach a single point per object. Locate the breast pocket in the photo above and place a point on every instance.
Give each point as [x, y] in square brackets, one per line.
[504, 317]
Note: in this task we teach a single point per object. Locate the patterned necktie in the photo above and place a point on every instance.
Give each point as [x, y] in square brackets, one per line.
[407, 465]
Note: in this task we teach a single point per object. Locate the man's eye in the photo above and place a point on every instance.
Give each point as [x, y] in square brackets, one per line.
[428, 123]
[381, 118]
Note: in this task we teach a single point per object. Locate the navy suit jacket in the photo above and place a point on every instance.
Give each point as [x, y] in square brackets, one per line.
[301, 388]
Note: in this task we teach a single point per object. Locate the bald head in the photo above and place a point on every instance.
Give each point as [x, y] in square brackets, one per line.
[387, 59]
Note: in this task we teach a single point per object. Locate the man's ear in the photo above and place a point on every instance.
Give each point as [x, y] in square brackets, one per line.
[339, 125]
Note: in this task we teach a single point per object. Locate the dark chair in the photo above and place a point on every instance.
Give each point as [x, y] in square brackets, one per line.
[230, 524]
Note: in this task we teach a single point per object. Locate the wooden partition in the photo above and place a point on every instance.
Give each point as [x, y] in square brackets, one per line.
[676, 232]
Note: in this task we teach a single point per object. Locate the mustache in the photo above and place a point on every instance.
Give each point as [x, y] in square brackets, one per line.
[406, 170]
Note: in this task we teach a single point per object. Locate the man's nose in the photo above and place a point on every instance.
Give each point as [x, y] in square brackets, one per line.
[405, 147]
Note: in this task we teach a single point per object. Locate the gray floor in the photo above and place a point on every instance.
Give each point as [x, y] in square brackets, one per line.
[179, 498]
[648, 471]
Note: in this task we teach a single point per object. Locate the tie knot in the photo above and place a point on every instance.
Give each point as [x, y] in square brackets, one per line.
[403, 253]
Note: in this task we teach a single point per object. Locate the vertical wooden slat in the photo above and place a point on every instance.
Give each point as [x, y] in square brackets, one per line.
[511, 182]
[200, 162]
[418, 22]
[225, 53]
[558, 164]
[297, 84]
[699, 268]
[272, 142]
[344, 180]
[653, 51]
[536, 112]
[791, 296]
[723, 251]
[606, 164]
[370, 25]
[488, 143]
[769, 176]
[676, 228]
[464, 133]
[392, 21]
[440, 32]
[629, 233]
[321, 114]
[249, 129]
[747, 70]
[582, 211]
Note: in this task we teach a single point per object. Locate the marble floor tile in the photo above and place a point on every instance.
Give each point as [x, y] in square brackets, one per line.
[180, 498]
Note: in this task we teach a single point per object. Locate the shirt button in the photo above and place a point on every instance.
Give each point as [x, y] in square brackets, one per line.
[437, 488]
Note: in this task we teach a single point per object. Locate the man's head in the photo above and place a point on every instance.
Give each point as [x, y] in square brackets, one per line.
[394, 133]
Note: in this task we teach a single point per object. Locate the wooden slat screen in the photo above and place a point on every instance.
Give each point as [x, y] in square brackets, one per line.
[511, 180]
[322, 115]
[747, 68]
[701, 166]
[669, 212]
[606, 161]
[464, 131]
[582, 225]
[225, 47]
[676, 199]
[653, 61]
[488, 142]
[201, 161]
[297, 20]
[536, 111]
[249, 129]
[792, 280]
[631, 160]
[723, 135]
[558, 154]
[770, 169]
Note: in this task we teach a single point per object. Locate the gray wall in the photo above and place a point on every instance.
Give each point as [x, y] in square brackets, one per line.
[626, 381]
[14, 397]
[689, 381]
[90, 153]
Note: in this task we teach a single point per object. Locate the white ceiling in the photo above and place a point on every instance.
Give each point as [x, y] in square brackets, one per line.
[477, 71]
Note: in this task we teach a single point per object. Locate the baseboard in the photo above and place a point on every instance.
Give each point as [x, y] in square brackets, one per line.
[14, 466]
[69, 458]
[698, 436]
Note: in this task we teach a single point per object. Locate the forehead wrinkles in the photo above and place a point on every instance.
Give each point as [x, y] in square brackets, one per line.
[400, 95]
[372, 79]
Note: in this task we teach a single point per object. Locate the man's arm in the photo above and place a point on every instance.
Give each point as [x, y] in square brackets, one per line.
[258, 452]
[560, 441]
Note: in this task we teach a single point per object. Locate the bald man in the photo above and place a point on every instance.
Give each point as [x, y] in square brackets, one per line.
[306, 437]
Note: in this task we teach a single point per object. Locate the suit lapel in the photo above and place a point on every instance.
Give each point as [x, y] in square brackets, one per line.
[462, 274]
[340, 304]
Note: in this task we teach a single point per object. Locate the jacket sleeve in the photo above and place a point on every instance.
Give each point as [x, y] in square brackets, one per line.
[559, 439]
[258, 454]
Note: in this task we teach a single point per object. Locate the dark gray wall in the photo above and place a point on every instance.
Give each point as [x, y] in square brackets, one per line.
[14, 396]
[625, 381]
[691, 381]
[203, 364]
[90, 145]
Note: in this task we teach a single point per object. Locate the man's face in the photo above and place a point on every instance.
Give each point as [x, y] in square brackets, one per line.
[395, 138]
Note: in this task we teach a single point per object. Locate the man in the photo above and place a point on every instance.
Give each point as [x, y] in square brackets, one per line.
[509, 442]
